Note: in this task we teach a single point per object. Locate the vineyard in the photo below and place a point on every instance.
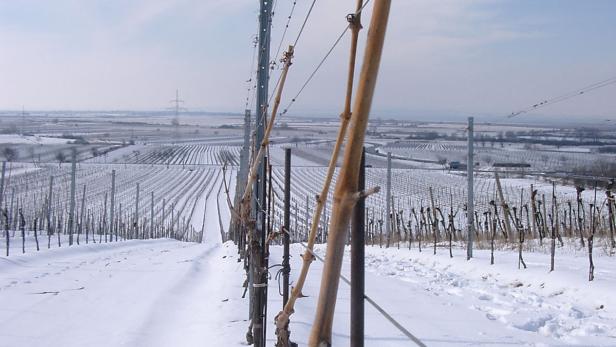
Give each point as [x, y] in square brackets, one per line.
[131, 198]
[114, 202]
[429, 205]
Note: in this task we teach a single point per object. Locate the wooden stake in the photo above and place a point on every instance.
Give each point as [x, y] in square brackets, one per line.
[345, 195]
[282, 319]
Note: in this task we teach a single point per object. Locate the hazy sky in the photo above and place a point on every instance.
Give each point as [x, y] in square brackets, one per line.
[444, 57]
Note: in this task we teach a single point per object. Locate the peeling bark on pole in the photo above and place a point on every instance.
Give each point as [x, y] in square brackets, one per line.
[345, 195]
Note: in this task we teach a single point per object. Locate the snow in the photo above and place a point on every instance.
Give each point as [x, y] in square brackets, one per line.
[144, 293]
[37, 140]
[169, 293]
[454, 302]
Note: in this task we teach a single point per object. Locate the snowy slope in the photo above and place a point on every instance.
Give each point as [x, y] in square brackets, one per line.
[170, 293]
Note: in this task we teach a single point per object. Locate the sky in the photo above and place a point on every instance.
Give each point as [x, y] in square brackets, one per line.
[442, 58]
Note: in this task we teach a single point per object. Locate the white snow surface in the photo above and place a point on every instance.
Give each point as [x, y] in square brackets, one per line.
[170, 293]
[32, 139]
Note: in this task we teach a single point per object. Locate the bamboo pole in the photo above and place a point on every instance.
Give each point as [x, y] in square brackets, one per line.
[346, 195]
[282, 319]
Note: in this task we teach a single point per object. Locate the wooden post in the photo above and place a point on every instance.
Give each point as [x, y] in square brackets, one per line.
[71, 212]
[282, 319]
[49, 203]
[345, 195]
[136, 220]
[388, 214]
[162, 222]
[434, 223]
[504, 205]
[83, 205]
[152, 215]
[591, 236]
[104, 221]
[554, 226]
[112, 206]
[357, 261]
[470, 204]
[2, 184]
[610, 211]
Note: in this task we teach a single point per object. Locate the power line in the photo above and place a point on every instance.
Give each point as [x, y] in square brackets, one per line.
[564, 97]
[381, 310]
[301, 30]
[251, 86]
[284, 33]
[273, 63]
[331, 49]
[314, 72]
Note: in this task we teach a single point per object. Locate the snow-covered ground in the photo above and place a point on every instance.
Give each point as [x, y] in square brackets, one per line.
[29, 139]
[452, 302]
[164, 292]
[133, 293]
[170, 293]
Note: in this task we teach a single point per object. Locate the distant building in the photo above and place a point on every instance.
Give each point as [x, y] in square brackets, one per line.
[456, 165]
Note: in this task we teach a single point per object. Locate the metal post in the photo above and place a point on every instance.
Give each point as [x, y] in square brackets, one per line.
[287, 216]
[71, 212]
[259, 194]
[264, 256]
[357, 261]
[112, 207]
[388, 198]
[470, 205]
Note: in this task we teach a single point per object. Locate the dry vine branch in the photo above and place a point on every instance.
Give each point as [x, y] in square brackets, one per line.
[252, 176]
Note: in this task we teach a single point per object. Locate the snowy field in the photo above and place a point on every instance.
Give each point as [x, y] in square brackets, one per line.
[165, 292]
[170, 293]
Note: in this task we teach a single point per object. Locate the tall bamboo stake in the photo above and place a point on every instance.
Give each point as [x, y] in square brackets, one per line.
[345, 194]
[282, 319]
